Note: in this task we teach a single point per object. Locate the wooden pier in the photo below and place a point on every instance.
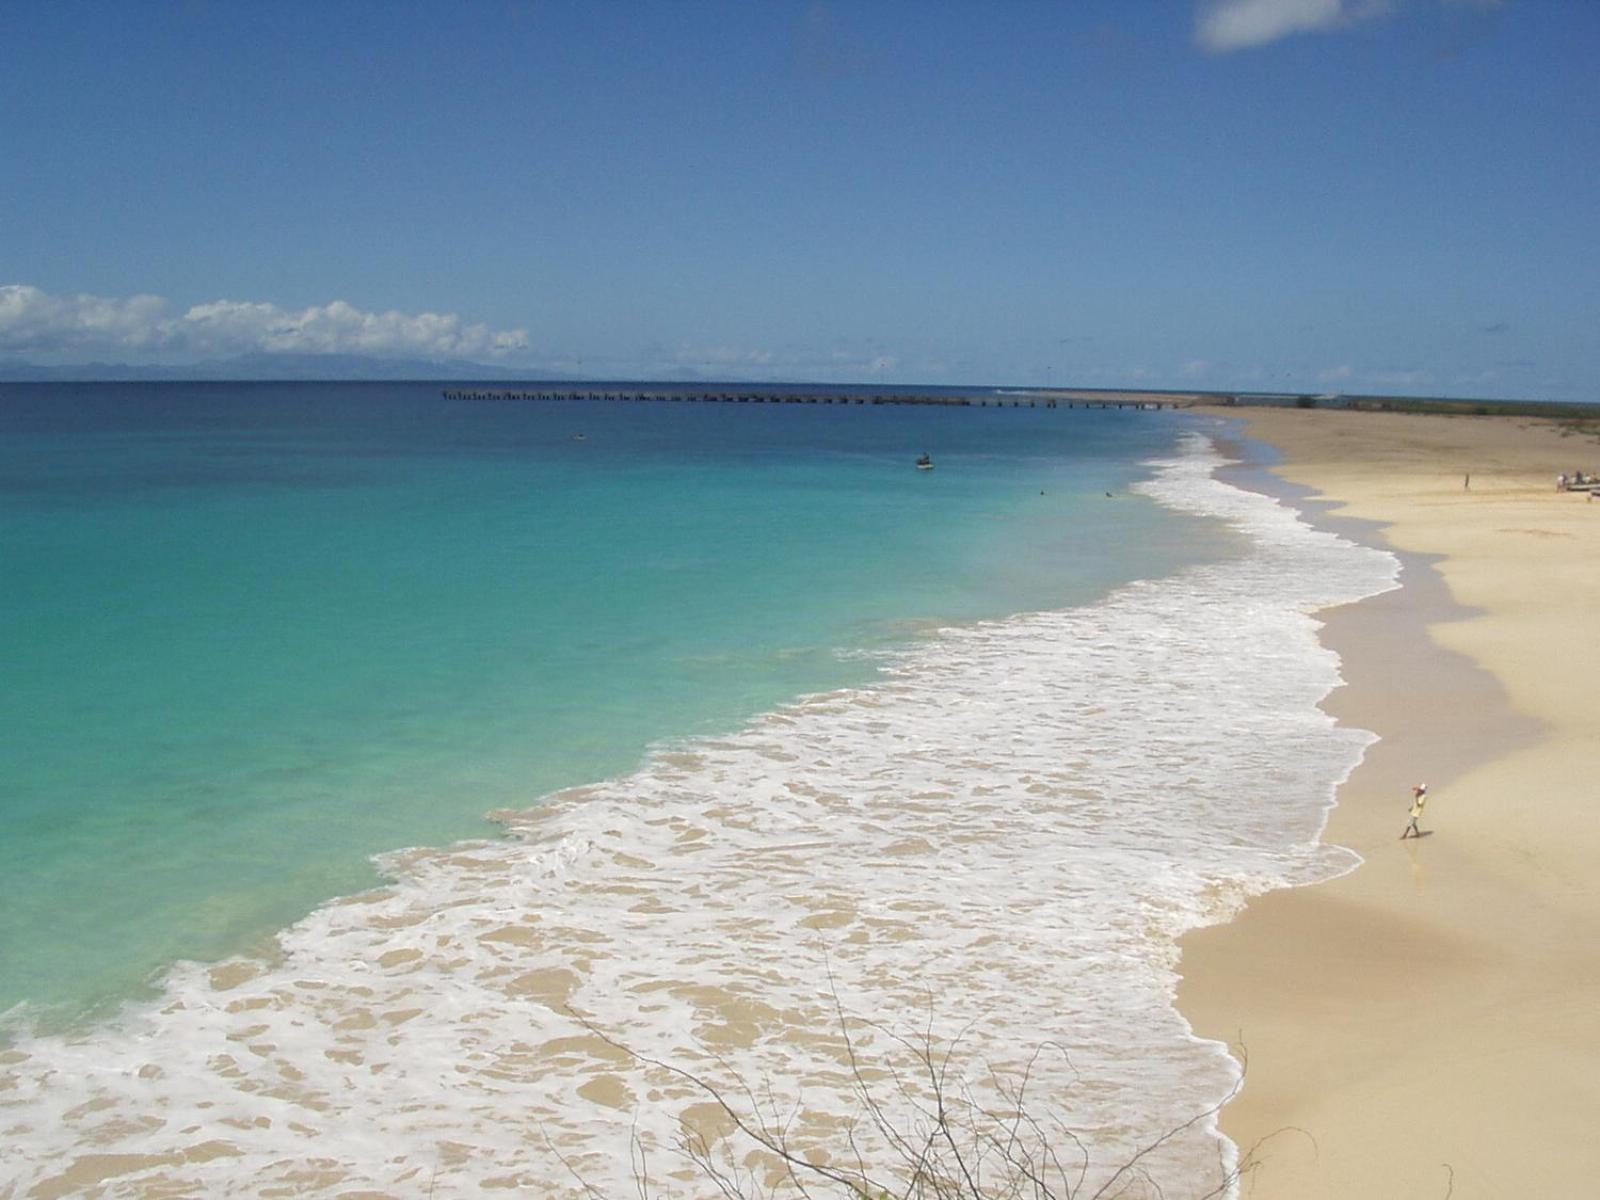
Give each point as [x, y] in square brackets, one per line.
[1041, 399]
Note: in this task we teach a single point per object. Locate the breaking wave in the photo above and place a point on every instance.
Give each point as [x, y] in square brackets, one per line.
[997, 845]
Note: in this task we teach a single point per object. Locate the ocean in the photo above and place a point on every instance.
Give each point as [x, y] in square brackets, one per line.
[715, 734]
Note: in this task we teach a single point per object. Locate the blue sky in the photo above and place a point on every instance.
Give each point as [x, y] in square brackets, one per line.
[1356, 195]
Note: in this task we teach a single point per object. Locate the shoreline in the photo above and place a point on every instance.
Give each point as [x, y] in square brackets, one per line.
[928, 856]
[1426, 1022]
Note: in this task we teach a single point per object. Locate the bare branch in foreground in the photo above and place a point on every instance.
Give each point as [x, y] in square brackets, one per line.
[942, 1142]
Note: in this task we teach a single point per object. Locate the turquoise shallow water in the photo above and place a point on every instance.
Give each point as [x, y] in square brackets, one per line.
[252, 634]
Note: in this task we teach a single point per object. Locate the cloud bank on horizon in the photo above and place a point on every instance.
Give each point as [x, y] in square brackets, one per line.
[1222, 26]
[141, 330]
[34, 322]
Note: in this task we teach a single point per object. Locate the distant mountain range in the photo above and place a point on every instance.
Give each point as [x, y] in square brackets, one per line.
[274, 367]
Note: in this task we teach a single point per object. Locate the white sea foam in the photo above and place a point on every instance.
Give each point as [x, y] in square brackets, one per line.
[1004, 836]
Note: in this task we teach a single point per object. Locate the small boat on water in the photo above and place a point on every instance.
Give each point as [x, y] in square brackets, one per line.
[577, 437]
[924, 462]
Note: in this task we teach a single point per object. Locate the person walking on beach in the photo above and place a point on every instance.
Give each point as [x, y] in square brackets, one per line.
[1419, 801]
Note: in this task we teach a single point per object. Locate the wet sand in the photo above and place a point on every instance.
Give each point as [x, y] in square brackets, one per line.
[1429, 1024]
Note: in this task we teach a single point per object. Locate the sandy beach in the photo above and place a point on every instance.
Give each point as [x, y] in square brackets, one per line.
[1429, 1024]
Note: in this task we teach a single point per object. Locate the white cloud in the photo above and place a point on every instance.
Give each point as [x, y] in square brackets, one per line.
[1224, 25]
[35, 322]
[31, 319]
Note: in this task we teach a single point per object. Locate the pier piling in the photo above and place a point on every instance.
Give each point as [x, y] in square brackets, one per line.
[1138, 401]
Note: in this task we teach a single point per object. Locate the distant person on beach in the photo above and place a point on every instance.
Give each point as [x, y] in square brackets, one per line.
[1419, 801]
